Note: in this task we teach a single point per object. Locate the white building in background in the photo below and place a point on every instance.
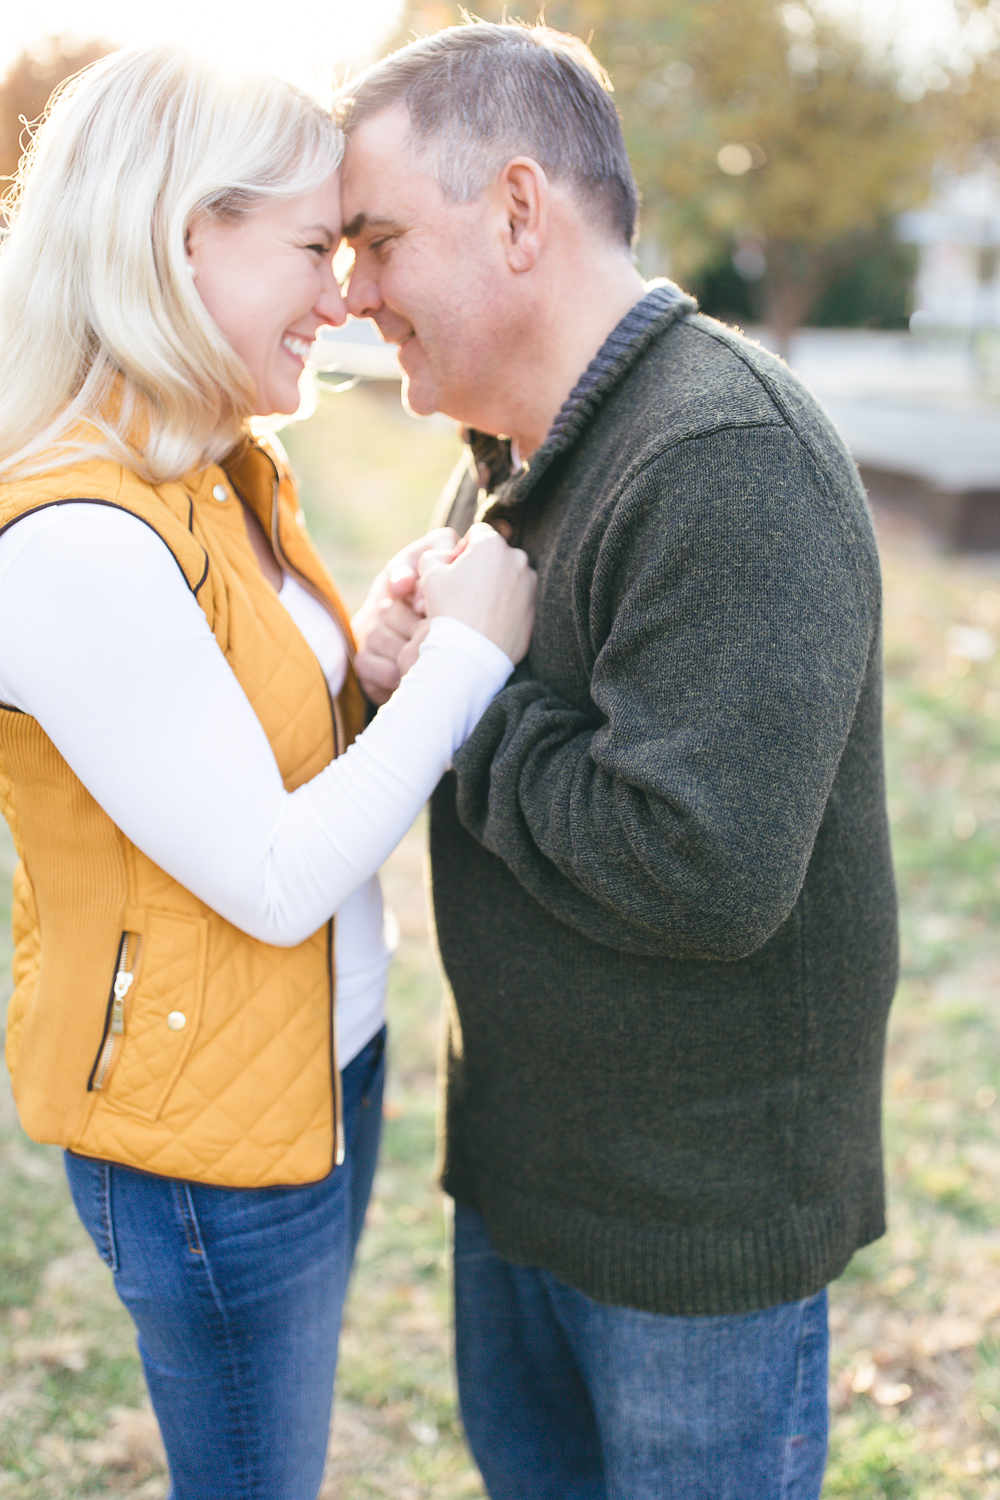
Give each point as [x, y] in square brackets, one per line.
[958, 273]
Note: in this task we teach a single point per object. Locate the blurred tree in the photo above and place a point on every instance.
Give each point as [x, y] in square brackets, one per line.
[760, 131]
[28, 84]
[969, 113]
[871, 288]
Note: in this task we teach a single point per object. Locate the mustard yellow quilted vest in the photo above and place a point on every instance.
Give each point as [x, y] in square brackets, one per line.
[144, 1028]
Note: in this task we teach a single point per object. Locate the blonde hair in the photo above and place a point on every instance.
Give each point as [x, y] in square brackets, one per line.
[100, 321]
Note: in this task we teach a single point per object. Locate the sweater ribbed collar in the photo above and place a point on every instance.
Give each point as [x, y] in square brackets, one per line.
[663, 304]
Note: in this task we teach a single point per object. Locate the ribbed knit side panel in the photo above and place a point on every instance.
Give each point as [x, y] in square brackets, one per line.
[79, 883]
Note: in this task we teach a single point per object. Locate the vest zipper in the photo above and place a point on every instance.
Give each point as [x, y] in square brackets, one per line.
[339, 1145]
[115, 1025]
[310, 587]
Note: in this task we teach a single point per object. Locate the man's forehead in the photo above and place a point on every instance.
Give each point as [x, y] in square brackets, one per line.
[385, 186]
[377, 161]
[380, 142]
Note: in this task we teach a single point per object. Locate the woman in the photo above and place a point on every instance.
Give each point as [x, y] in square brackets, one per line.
[180, 756]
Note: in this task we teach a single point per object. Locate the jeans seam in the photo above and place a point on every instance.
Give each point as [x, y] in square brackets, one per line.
[107, 1221]
[373, 1066]
[189, 1219]
[196, 1245]
[785, 1493]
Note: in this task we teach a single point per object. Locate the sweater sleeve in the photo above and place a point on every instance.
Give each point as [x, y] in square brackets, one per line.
[103, 643]
[728, 603]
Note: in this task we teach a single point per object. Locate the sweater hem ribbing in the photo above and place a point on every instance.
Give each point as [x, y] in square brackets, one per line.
[685, 1271]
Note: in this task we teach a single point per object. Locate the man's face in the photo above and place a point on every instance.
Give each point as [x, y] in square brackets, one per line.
[429, 272]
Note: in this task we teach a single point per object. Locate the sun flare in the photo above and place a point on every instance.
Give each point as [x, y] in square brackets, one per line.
[310, 43]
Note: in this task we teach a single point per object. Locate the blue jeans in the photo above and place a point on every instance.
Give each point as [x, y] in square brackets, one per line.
[237, 1294]
[565, 1398]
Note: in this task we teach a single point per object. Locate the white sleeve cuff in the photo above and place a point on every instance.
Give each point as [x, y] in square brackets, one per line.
[471, 643]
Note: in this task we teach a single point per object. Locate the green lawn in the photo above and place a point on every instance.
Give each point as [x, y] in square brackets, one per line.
[916, 1388]
[916, 1365]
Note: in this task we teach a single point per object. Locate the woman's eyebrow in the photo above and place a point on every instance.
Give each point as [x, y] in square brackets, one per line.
[322, 229]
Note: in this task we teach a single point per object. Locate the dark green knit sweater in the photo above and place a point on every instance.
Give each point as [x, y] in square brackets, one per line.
[662, 878]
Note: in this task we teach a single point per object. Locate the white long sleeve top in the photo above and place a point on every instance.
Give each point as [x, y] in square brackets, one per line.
[103, 643]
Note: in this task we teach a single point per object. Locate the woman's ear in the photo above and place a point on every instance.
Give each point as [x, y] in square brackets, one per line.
[524, 191]
[191, 248]
[200, 240]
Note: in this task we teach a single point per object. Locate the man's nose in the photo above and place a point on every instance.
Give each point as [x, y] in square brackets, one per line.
[362, 294]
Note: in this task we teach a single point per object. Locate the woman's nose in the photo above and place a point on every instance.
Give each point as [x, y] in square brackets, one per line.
[330, 306]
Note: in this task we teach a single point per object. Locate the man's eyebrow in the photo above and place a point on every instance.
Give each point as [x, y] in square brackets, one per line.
[362, 221]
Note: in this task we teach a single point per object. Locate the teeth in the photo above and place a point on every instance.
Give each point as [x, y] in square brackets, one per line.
[299, 347]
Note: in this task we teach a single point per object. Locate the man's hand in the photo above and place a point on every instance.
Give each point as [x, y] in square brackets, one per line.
[485, 584]
[392, 611]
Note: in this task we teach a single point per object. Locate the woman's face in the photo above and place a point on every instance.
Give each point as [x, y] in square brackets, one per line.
[267, 281]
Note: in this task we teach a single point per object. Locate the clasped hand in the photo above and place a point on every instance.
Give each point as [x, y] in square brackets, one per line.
[479, 580]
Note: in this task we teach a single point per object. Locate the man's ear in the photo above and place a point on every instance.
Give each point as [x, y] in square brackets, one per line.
[524, 197]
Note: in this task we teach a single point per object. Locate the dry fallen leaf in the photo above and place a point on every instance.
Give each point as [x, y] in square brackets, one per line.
[67, 1351]
[55, 1447]
[898, 1280]
[943, 1335]
[885, 1393]
[132, 1441]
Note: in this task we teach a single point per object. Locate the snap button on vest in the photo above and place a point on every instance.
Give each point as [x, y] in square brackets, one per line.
[219, 492]
[177, 1020]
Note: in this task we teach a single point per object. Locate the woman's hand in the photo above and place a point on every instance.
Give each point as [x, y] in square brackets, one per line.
[407, 657]
[489, 586]
[385, 622]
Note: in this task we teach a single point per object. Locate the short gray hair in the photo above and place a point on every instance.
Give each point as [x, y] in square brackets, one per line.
[481, 93]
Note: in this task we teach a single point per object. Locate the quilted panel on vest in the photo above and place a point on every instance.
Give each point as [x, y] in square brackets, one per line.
[259, 1079]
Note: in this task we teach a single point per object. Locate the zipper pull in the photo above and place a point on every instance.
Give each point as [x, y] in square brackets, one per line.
[123, 983]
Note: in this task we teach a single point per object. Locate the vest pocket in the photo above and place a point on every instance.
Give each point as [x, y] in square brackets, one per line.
[154, 1010]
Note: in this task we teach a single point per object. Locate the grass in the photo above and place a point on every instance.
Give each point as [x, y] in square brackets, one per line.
[915, 1378]
[916, 1319]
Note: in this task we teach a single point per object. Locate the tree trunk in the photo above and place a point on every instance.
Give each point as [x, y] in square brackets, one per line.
[796, 275]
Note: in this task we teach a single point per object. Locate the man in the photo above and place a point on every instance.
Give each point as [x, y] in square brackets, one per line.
[661, 868]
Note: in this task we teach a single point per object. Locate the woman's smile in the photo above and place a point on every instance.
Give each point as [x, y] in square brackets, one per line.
[267, 280]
